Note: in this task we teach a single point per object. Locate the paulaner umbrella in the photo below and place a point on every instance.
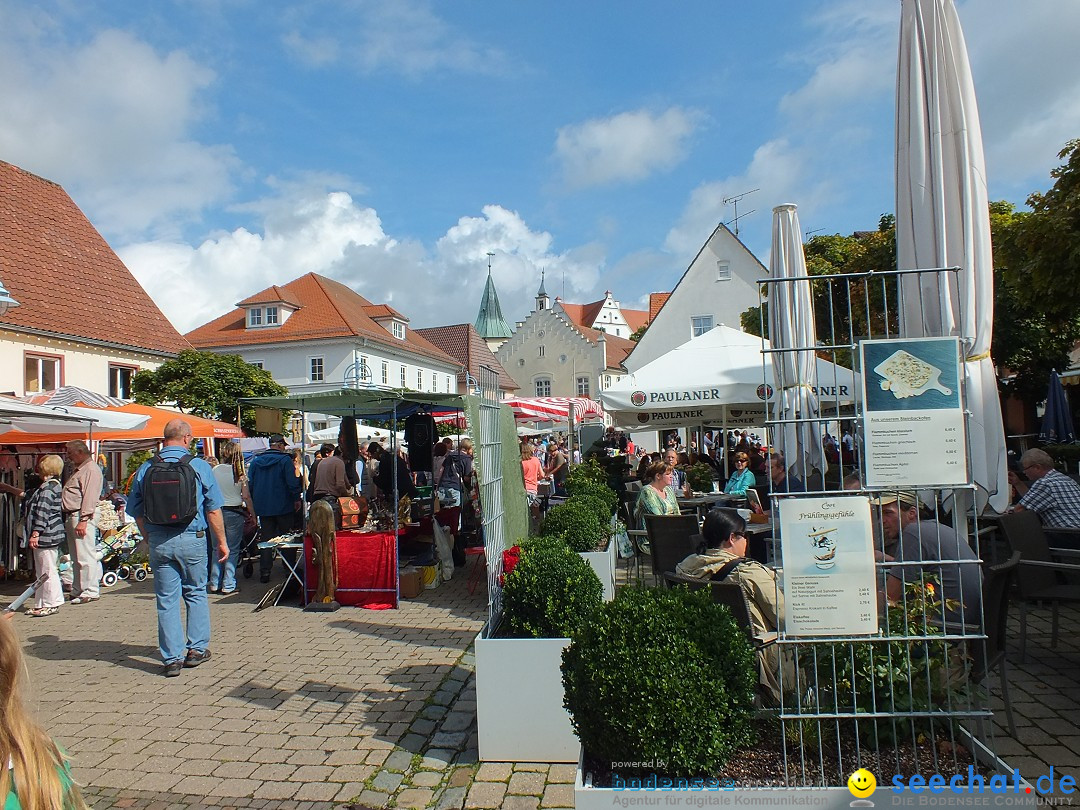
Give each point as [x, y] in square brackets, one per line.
[791, 327]
[1057, 425]
[942, 219]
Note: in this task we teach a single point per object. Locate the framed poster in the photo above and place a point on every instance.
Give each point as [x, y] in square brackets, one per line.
[914, 434]
[829, 574]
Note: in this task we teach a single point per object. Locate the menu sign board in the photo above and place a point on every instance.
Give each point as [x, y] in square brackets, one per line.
[913, 424]
[828, 552]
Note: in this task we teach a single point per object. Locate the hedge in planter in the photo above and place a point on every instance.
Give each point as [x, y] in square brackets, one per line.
[593, 505]
[550, 593]
[575, 522]
[662, 676]
[590, 488]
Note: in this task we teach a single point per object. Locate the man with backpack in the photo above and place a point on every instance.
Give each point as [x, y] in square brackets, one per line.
[456, 469]
[175, 499]
[275, 494]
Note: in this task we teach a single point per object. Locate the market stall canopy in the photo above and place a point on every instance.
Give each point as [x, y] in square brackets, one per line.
[366, 402]
[20, 419]
[145, 424]
[720, 377]
[553, 409]
[364, 433]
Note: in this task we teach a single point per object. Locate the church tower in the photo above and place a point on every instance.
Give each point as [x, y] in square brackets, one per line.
[542, 300]
[490, 324]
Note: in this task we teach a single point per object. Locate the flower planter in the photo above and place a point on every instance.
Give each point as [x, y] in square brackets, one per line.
[519, 701]
[604, 564]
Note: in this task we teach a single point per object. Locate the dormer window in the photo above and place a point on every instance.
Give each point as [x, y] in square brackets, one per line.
[255, 316]
[271, 316]
[399, 330]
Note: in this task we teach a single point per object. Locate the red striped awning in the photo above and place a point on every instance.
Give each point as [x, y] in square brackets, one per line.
[554, 409]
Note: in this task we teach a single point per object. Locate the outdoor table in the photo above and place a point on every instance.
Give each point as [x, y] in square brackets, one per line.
[703, 502]
[296, 572]
[366, 568]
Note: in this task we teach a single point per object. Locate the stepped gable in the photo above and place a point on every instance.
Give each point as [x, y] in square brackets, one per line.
[66, 278]
[327, 309]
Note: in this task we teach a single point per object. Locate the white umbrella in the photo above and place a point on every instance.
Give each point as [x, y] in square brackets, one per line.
[791, 326]
[943, 220]
[20, 418]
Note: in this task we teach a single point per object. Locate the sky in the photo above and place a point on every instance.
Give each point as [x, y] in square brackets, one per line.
[222, 146]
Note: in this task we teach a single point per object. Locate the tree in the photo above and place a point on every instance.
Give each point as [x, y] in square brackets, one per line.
[637, 333]
[208, 385]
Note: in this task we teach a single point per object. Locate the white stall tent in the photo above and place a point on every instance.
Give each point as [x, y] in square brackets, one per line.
[718, 378]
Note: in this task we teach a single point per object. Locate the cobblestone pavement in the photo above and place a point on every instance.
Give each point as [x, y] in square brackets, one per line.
[376, 708]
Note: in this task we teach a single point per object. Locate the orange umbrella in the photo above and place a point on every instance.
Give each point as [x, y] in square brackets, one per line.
[154, 428]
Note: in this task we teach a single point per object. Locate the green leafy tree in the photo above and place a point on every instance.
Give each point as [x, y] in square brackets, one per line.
[637, 333]
[208, 385]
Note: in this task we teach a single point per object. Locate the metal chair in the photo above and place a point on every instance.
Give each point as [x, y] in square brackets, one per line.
[732, 596]
[1040, 577]
[989, 653]
[672, 538]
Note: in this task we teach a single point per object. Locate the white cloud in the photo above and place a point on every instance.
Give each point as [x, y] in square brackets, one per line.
[331, 235]
[112, 120]
[406, 37]
[625, 147]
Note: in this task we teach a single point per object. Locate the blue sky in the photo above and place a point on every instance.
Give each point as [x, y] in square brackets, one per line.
[225, 145]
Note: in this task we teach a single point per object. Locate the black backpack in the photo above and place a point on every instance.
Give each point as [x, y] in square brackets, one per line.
[169, 489]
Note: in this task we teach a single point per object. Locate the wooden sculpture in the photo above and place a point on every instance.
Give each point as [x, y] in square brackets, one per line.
[324, 557]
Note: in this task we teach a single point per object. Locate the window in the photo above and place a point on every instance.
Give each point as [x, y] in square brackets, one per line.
[399, 330]
[255, 316]
[583, 386]
[385, 373]
[271, 316]
[700, 324]
[120, 381]
[434, 381]
[42, 373]
[318, 425]
[256, 364]
[607, 381]
[419, 380]
[316, 369]
[402, 375]
[541, 351]
[543, 388]
[449, 382]
[723, 271]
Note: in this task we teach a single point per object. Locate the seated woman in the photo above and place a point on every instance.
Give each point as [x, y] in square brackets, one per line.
[724, 558]
[657, 496]
[34, 773]
[741, 479]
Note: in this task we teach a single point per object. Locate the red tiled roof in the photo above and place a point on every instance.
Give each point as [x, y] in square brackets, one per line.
[636, 318]
[375, 311]
[462, 341]
[271, 295]
[65, 276]
[585, 314]
[617, 347]
[656, 301]
[328, 309]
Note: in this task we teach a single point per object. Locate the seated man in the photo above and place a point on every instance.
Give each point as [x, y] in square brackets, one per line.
[929, 548]
[1053, 496]
[724, 558]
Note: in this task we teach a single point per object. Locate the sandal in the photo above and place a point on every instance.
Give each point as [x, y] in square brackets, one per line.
[42, 611]
[84, 600]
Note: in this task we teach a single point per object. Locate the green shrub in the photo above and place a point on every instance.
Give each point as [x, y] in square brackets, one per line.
[590, 471]
[700, 476]
[530, 543]
[576, 523]
[550, 593]
[590, 488]
[594, 506]
[661, 675]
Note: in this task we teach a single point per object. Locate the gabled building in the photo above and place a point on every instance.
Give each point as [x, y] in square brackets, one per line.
[718, 286]
[553, 355]
[82, 319]
[606, 315]
[462, 342]
[316, 334]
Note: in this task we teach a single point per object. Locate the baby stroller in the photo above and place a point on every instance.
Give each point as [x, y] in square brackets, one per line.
[116, 552]
[249, 549]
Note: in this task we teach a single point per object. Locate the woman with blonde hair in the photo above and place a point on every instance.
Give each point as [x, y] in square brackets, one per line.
[34, 774]
[45, 532]
[657, 497]
[229, 474]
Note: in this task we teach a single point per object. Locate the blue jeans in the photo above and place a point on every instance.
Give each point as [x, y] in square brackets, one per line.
[180, 568]
[223, 575]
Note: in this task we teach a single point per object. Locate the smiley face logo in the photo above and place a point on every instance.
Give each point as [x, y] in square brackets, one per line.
[862, 783]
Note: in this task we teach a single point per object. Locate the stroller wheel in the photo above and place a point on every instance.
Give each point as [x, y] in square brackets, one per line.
[249, 569]
[140, 574]
[109, 579]
[124, 571]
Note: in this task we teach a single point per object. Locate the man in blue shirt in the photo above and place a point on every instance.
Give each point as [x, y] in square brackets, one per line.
[275, 494]
[179, 555]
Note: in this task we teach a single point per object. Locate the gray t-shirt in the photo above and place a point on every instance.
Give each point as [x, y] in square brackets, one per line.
[940, 549]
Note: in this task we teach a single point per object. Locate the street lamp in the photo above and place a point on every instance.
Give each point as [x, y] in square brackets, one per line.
[6, 301]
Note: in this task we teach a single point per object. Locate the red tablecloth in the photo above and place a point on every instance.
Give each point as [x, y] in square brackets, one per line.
[367, 569]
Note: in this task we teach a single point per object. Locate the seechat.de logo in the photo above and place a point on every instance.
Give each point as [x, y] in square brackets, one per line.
[638, 398]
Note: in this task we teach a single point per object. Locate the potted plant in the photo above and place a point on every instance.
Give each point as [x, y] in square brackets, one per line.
[584, 521]
[548, 596]
[700, 477]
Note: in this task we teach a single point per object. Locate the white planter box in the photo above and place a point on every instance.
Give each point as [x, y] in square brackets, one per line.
[604, 563]
[519, 701]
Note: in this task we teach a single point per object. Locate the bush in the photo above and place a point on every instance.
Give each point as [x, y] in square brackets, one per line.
[550, 593]
[601, 492]
[700, 476]
[593, 506]
[662, 676]
[576, 523]
[589, 472]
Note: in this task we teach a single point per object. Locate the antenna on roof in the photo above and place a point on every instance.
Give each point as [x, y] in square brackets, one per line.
[735, 201]
[807, 234]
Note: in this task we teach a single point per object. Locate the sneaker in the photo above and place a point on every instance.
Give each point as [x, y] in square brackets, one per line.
[194, 657]
[172, 669]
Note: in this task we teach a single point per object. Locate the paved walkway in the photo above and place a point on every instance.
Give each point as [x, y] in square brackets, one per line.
[377, 708]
